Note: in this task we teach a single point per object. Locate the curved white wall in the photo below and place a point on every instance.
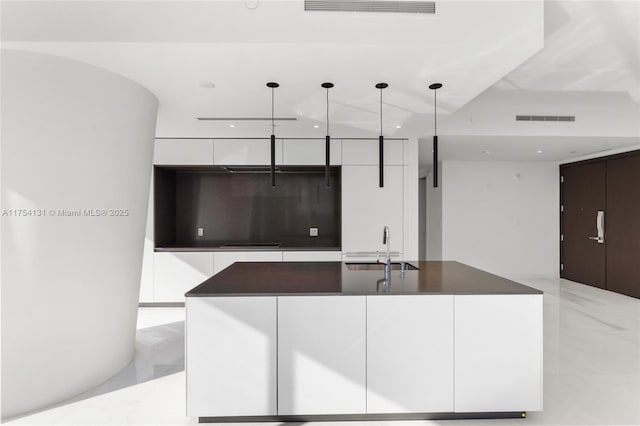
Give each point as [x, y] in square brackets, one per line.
[73, 137]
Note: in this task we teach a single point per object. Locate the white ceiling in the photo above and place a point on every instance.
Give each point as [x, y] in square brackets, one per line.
[488, 54]
[170, 47]
[589, 46]
[589, 67]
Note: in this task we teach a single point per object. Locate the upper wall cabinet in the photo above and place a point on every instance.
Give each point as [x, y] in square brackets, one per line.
[245, 152]
[196, 152]
[303, 152]
[365, 152]
[410, 152]
[367, 208]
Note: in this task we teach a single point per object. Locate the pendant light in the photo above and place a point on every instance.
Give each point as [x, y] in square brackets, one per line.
[327, 149]
[435, 87]
[381, 138]
[272, 86]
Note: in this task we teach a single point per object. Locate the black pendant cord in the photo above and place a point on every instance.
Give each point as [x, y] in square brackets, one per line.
[380, 112]
[435, 113]
[327, 111]
[273, 124]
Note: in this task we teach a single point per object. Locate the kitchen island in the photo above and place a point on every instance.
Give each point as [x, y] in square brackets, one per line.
[308, 341]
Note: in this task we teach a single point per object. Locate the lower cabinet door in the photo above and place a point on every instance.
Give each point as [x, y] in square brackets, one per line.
[321, 355]
[498, 353]
[175, 273]
[224, 259]
[231, 356]
[311, 256]
[409, 354]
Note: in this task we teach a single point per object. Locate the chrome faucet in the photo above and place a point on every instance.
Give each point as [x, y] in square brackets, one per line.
[387, 261]
[387, 241]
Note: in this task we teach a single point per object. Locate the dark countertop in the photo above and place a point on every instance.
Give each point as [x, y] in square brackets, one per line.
[333, 278]
[245, 248]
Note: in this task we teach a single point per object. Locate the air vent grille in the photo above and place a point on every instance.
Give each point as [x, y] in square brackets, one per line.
[370, 6]
[564, 118]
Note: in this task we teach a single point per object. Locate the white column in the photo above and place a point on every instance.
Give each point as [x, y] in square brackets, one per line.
[78, 139]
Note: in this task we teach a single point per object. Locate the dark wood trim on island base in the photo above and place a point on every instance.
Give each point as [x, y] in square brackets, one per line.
[161, 305]
[366, 417]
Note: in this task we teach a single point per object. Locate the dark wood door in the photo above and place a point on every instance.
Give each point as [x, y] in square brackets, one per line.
[623, 225]
[583, 193]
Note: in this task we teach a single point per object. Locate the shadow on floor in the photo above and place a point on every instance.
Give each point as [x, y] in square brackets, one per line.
[159, 353]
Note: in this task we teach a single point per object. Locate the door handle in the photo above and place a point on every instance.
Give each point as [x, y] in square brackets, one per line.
[600, 227]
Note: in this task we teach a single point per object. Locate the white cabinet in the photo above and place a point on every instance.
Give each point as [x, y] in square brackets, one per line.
[311, 256]
[410, 206]
[409, 354]
[410, 153]
[367, 208]
[223, 259]
[245, 151]
[231, 356]
[175, 273]
[366, 152]
[321, 355]
[310, 152]
[179, 152]
[498, 353]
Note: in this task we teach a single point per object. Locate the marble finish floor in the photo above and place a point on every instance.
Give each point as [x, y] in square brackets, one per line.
[591, 369]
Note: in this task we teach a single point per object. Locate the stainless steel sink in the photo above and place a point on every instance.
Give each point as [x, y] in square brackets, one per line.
[371, 266]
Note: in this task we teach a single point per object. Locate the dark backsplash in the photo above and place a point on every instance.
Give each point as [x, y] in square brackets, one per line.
[241, 207]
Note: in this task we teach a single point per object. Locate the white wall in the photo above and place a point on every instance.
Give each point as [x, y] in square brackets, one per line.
[73, 137]
[502, 217]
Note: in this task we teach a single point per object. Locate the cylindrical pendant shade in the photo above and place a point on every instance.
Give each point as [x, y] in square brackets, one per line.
[327, 161]
[435, 161]
[381, 163]
[273, 160]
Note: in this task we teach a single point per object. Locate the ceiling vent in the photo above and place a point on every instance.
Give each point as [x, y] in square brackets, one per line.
[370, 6]
[564, 118]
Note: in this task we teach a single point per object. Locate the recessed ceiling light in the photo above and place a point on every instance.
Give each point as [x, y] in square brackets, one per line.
[486, 152]
[539, 152]
[232, 125]
[207, 84]
[398, 127]
[316, 126]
